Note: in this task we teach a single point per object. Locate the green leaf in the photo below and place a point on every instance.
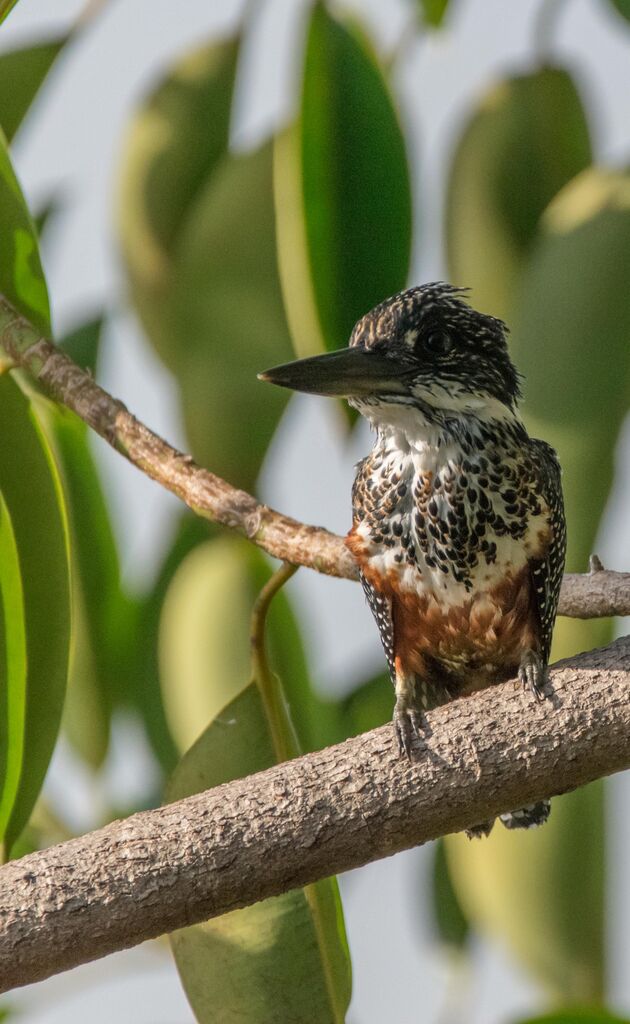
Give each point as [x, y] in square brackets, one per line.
[450, 921]
[283, 959]
[31, 491]
[21, 276]
[198, 234]
[145, 692]
[318, 721]
[343, 196]
[210, 597]
[6, 6]
[521, 886]
[570, 337]
[433, 11]
[622, 7]
[204, 636]
[12, 667]
[22, 72]
[102, 665]
[228, 311]
[527, 138]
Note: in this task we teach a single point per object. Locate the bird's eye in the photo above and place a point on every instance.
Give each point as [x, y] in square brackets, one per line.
[437, 344]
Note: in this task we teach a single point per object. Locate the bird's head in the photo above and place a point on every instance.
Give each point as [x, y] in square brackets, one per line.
[423, 351]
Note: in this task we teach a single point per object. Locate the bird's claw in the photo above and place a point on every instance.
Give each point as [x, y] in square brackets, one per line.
[480, 831]
[532, 674]
[408, 726]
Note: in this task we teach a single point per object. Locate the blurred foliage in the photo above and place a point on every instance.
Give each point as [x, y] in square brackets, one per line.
[623, 7]
[198, 236]
[287, 957]
[452, 926]
[103, 615]
[6, 6]
[22, 72]
[343, 194]
[21, 275]
[557, 231]
[208, 599]
[526, 889]
[433, 11]
[235, 259]
[526, 138]
[35, 632]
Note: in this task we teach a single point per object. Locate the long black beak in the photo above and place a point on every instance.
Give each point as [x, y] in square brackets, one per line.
[346, 373]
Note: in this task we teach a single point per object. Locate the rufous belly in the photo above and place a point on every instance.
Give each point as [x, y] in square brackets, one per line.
[476, 640]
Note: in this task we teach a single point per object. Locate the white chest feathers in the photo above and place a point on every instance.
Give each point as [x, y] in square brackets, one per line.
[446, 522]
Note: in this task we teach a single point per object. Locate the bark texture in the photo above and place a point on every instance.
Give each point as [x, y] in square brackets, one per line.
[314, 816]
[210, 496]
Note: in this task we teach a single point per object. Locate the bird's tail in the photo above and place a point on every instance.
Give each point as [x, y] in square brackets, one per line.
[528, 817]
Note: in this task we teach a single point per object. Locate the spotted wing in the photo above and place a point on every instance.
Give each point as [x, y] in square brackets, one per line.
[381, 608]
[547, 572]
[428, 695]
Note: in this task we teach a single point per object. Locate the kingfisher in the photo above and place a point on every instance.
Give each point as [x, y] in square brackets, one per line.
[458, 522]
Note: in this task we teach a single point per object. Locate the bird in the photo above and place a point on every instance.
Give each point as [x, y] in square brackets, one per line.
[458, 523]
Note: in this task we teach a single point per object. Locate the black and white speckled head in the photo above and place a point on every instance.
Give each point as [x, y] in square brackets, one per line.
[423, 357]
[451, 357]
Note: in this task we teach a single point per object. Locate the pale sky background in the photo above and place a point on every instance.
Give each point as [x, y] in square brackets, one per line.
[74, 140]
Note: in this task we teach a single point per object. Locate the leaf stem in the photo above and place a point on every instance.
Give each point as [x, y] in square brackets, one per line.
[283, 734]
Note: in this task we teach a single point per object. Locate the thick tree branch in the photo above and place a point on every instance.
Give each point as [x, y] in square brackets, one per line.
[314, 816]
[208, 495]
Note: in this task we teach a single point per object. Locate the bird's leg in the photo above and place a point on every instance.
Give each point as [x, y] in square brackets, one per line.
[532, 673]
[407, 715]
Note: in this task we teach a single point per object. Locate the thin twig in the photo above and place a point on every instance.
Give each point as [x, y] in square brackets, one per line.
[582, 596]
[283, 735]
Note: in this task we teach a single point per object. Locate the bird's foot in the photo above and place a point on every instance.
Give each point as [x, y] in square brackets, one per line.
[532, 674]
[408, 725]
[484, 828]
[527, 817]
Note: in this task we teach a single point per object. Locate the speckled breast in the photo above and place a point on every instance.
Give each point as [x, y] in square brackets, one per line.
[448, 537]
